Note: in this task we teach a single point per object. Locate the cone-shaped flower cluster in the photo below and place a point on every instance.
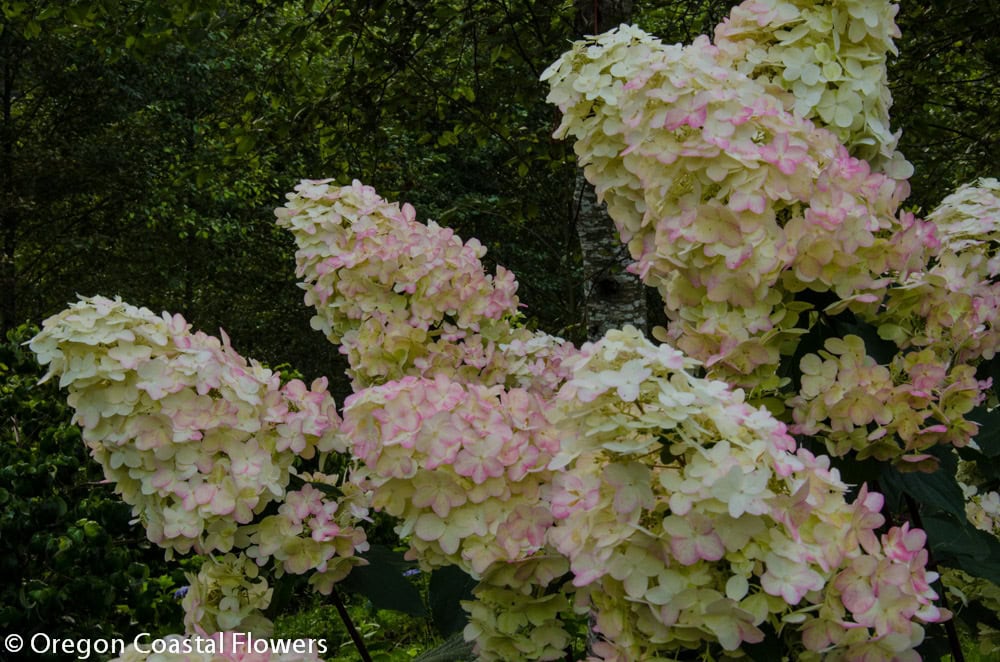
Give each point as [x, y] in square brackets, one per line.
[825, 61]
[195, 438]
[404, 298]
[731, 204]
[399, 297]
[689, 516]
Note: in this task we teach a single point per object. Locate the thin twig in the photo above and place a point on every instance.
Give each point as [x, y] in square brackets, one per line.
[349, 624]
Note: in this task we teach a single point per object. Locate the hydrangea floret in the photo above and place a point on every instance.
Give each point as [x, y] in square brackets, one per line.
[227, 594]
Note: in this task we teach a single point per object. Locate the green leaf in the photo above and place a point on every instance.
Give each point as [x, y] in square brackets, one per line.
[960, 544]
[32, 29]
[935, 645]
[382, 582]
[449, 586]
[939, 490]
[49, 12]
[853, 471]
[245, 143]
[993, 368]
[988, 436]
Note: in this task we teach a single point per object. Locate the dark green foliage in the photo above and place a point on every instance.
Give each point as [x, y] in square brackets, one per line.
[70, 562]
[937, 490]
[988, 438]
[772, 648]
[384, 583]
[448, 587]
[956, 543]
[946, 88]
[388, 635]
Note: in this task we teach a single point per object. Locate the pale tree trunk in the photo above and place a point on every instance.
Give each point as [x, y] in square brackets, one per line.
[614, 297]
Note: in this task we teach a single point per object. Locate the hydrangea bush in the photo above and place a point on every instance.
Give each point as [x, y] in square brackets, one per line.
[756, 184]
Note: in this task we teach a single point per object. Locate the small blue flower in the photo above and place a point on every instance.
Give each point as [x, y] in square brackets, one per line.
[411, 572]
[181, 592]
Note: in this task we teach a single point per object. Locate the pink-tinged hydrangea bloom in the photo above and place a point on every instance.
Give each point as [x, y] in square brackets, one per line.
[952, 306]
[826, 62]
[312, 532]
[404, 298]
[731, 203]
[197, 439]
[463, 466]
[893, 412]
[690, 518]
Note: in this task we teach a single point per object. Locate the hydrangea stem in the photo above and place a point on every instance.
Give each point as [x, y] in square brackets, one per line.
[349, 624]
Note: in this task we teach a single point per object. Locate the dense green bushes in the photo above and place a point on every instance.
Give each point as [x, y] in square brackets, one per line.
[72, 564]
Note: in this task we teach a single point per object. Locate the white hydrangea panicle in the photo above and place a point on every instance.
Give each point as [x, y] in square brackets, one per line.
[198, 440]
[730, 203]
[690, 519]
[397, 295]
[827, 62]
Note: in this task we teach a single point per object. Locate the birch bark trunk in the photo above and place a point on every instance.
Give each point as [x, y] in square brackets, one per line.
[614, 297]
